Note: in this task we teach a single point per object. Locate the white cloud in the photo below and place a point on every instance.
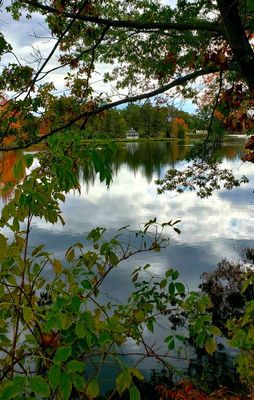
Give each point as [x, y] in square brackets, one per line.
[131, 199]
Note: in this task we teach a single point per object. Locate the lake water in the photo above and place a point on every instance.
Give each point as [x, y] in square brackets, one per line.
[211, 229]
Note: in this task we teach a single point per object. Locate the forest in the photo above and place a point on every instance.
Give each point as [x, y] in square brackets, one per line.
[78, 69]
[146, 119]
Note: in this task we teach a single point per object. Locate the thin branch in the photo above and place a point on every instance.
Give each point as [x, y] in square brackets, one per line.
[51, 53]
[89, 50]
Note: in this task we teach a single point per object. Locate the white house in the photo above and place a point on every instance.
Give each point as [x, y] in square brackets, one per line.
[132, 134]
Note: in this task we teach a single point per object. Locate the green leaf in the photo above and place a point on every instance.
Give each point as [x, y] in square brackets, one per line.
[39, 386]
[123, 381]
[11, 279]
[18, 169]
[134, 393]
[170, 342]
[3, 242]
[54, 376]
[215, 330]
[180, 287]
[163, 283]
[105, 337]
[60, 196]
[37, 249]
[136, 373]
[171, 289]
[201, 338]
[75, 366]
[29, 158]
[139, 315]
[27, 313]
[78, 382]
[80, 330]
[5, 214]
[65, 386]
[15, 224]
[210, 345]
[12, 389]
[75, 304]
[93, 389]
[180, 338]
[169, 272]
[62, 354]
[66, 320]
[86, 284]
[175, 275]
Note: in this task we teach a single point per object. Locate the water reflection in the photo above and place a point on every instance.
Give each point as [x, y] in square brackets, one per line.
[147, 158]
[154, 158]
[212, 228]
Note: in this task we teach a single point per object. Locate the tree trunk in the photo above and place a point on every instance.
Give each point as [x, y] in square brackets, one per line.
[235, 35]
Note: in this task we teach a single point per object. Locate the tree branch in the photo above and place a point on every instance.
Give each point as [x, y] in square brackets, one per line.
[181, 26]
[129, 99]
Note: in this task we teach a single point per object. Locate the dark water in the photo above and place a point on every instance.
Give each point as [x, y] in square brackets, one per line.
[211, 229]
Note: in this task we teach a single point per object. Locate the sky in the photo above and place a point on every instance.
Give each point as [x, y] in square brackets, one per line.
[29, 37]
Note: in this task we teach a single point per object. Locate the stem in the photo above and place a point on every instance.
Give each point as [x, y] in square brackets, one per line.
[16, 327]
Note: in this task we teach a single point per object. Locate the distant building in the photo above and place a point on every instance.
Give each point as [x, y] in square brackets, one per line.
[132, 134]
[201, 132]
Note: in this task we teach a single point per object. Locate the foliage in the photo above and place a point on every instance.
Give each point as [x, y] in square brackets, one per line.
[186, 391]
[241, 336]
[176, 46]
[230, 288]
[179, 127]
[249, 146]
[202, 176]
[224, 287]
[147, 119]
[56, 334]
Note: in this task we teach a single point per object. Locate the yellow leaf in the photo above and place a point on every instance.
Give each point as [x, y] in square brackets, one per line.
[58, 268]
[210, 345]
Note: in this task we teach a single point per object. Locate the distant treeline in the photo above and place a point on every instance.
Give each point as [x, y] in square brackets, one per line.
[148, 120]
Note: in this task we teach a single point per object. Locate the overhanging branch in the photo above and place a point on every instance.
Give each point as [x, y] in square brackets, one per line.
[180, 26]
[129, 99]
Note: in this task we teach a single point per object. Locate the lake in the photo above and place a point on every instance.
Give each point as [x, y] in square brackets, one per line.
[211, 229]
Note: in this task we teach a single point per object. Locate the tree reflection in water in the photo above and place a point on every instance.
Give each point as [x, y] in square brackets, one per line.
[148, 157]
[8, 179]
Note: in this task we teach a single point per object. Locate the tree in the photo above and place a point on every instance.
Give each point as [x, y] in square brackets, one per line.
[167, 38]
[179, 127]
[154, 48]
